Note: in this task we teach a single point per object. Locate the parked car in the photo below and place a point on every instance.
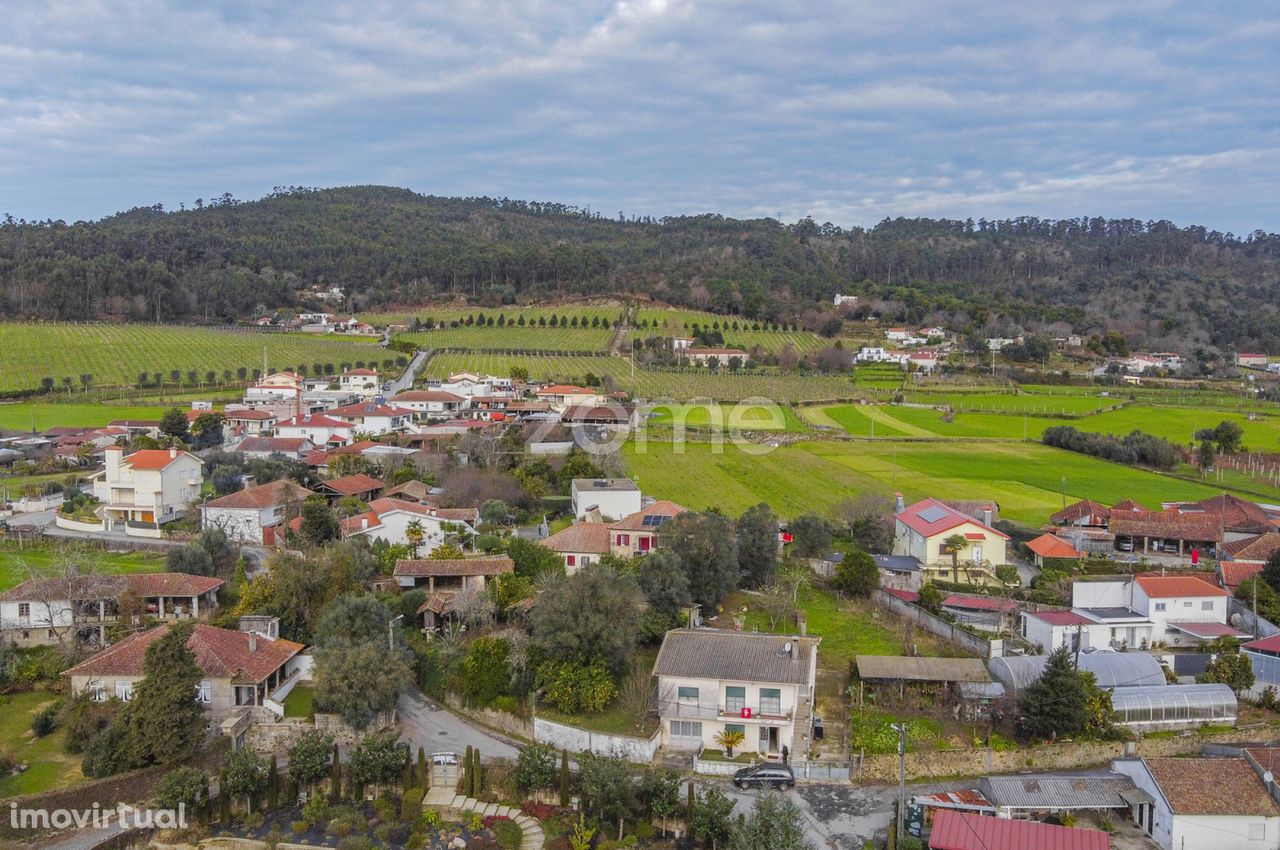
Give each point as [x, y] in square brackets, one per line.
[818, 729]
[1124, 544]
[766, 775]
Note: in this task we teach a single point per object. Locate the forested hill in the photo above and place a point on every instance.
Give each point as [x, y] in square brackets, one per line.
[1163, 286]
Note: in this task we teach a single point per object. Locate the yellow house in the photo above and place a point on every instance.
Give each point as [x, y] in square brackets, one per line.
[950, 545]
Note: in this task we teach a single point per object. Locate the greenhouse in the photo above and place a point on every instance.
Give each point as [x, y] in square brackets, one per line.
[1149, 709]
[1111, 669]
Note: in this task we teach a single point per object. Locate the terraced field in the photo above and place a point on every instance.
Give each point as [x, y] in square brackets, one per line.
[116, 354]
[1024, 478]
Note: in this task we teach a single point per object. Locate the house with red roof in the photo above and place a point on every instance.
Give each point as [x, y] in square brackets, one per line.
[362, 382]
[1049, 630]
[373, 419]
[430, 404]
[321, 430]
[247, 514]
[721, 356]
[951, 545]
[585, 543]
[567, 395]
[240, 669]
[988, 613]
[1052, 546]
[1174, 610]
[149, 487]
[395, 521]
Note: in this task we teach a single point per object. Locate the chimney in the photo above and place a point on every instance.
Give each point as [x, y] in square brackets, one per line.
[898, 504]
[173, 452]
[364, 523]
[987, 511]
[113, 455]
[253, 641]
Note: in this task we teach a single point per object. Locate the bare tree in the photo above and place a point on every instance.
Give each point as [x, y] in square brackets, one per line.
[637, 695]
[67, 595]
[474, 607]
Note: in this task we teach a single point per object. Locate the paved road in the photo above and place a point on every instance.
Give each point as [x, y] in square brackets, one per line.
[429, 725]
[405, 381]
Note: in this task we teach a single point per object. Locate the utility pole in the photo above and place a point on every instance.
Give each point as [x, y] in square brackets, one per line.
[391, 634]
[901, 729]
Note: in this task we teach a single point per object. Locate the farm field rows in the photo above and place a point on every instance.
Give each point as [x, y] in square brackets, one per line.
[742, 418]
[612, 311]
[512, 338]
[116, 354]
[1011, 403]
[1024, 478]
[648, 383]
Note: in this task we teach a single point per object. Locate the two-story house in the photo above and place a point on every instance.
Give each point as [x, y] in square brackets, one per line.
[391, 520]
[148, 486]
[244, 515]
[430, 404]
[321, 430]
[585, 543]
[761, 685]
[240, 669]
[362, 382]
[950, 545]
[373, 419]
[80, 609]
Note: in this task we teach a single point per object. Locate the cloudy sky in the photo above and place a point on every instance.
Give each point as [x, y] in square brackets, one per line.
[846, 111]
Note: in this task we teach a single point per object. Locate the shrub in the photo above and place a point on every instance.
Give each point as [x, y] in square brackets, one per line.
[411, 805]
[253, 820]
[357, 842]
[45, 721]
[508, 833]
[317, 809]
[299, 826]
[386, 807]
[643, 830]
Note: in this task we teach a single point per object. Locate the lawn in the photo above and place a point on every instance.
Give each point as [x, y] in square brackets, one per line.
[49, 767]
[14, 563]
[779, 417]
[299, 702]
[20, 417]
[1026, 479]
[115, 354]
[615, 719]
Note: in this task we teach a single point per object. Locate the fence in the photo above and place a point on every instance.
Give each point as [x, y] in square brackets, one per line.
[575, 739]
[982, 647]
[831, 771]
[1258, 626]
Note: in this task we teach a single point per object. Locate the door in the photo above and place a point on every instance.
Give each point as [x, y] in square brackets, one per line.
[764, 739]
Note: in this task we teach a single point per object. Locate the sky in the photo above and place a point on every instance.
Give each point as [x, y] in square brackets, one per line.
[844, 111]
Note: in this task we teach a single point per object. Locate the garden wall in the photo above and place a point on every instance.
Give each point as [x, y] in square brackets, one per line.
[75, 525]
[501, 721]
[981, 647]
[1069, 756]
[277, 736]
[574, 739]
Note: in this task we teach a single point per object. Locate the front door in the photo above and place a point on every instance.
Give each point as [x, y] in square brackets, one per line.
[768, 739]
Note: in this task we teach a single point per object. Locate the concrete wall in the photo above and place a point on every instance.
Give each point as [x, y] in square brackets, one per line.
[75, 525]
[639, 750]
[981, 647]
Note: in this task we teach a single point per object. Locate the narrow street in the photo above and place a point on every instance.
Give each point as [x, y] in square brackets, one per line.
[424, 723]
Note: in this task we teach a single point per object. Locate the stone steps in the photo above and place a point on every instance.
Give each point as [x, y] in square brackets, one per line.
[446, 798]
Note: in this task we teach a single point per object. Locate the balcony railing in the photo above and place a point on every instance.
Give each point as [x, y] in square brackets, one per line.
[719, 711]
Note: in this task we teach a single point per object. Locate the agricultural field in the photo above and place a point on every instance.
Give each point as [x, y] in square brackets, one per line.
[512, 338]
[740, 418]
[1026, 479]
[16, 565]
[680, 385]
[1009, 402]
[611, 310]
[23, 416]
[677, 322]
[117, 354]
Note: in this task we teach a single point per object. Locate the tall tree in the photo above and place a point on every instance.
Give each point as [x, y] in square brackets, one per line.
[810, 536]
[593, 615]
[775, 823]
[666, 588]
[705, 543]
[857, 574]
[757, 532]
[1063, 701]
[164, 722]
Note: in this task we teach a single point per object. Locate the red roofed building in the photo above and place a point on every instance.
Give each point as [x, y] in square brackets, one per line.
[370, 418]
[923, 530]
[319, 429]
[390, 520]
[955, 830]
[247, 514]
[1051, 546]
[567, 395]
[584, 543]
[430, 404]
[362, 382]
[363, 487]
[989, 613]
[148, 488]
[1086, 513]
[241, 669]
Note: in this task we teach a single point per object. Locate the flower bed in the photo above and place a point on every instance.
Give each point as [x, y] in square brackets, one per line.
[379, 824]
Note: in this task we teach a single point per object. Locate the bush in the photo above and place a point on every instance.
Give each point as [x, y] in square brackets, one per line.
[508, 833]
[357, 842]
[45, 721]
[300, 826]
[411, 805]
[642, 830]
[386, 807]
[575, 689]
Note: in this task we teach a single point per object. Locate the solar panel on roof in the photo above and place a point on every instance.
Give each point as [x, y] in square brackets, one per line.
[933, 514]
[652, 520]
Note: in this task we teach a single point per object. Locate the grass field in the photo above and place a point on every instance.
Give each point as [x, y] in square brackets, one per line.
[447, 313]
[49, 767]
[14, 563]
[116, 354]
[300, 702]
[22, 416]
[745, 418]
[1024, 478]
[512, 338]
[649, 383]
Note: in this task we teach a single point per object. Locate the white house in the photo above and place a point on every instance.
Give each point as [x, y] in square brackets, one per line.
[431, 404]
[392, 517]
[373, 419]
[712, 681]
[896, 334]
[249, 421]
[150, 486]
[841, 300]
[276, 387]
[362, 382]
[567, 395]
[923, 529]
[1150, 609]
[1202, 803]
[613, 498]
[722, 356]
[877, 354]
[1251, 360]
[245, 514]
[586, 542]
[321, 430]
[681, 343]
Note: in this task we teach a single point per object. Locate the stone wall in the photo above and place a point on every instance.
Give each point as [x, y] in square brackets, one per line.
[277, 736]
[1072, 756]
[575, 739]
[500, 721]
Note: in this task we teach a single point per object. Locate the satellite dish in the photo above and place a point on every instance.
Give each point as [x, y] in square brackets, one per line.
[786, 647]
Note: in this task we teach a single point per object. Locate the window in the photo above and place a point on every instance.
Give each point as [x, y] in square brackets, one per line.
[24, 609]
[687, 694]
[686, 729]
[771, 701]
[735, 699]
[1160, 606]
[977, 554]
[570, 560]
[736, 727]
[942, 549]
[97, 692]
[1206, 605]
[124, 691]
[204, 692]
[624, 539]
[1186, 604]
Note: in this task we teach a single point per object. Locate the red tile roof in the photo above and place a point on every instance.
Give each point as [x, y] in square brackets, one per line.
[455, 566]
[313, 420]
[904, 595]
[635, 521]
[1128, 505]
[271, 445]
[1092, 512]
[1267, 644]
[1174, 526]
[979, 603]
[1167, 587]
[369, 409]
[428, 395]
[171, 584]
[362, 372]
[1212, 786]
[1236, 513]
[268, 495]
[946, 519]
[1049, 546]
[563, 389]
[1060, 618]
[250, 415]
[220, 654]
[1256, 549]
[954, 830]
[1235, 574]
[589, 537]
[352, 485]
[154, 459]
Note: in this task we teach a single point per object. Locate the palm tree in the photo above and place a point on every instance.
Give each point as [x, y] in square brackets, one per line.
[415, 535]
[953, 545]
[730, 738]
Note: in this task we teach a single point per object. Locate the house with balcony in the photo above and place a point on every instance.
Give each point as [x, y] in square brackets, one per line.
[149, 487]
[240, 669]
[392, 518]
[373, 419]
[245, 515]
[762, 685]
[431, 404]
[80, 610]
[928, 531]
[319, 429]
[585, 543]
[362, 382]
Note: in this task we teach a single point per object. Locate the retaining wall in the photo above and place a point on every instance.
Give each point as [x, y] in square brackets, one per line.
[574, 739]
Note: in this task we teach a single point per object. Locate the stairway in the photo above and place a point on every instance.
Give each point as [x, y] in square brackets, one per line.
[444, 797]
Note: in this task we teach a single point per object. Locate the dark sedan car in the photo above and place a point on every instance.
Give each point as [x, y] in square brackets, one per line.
[765, 776]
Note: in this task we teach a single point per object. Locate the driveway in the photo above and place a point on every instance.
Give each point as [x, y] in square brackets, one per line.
[425, 723]
[405, 381]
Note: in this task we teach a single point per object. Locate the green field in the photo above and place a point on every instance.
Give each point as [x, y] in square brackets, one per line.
[741, 418]
[512, 338]
[447, 313]
[116, 354]
[49, 767]
[676, 322]
[22, 416]
[16, 564]
[1024, 478]
[680, 385]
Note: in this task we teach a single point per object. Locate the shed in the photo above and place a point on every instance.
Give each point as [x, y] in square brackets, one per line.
[1029, 793]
